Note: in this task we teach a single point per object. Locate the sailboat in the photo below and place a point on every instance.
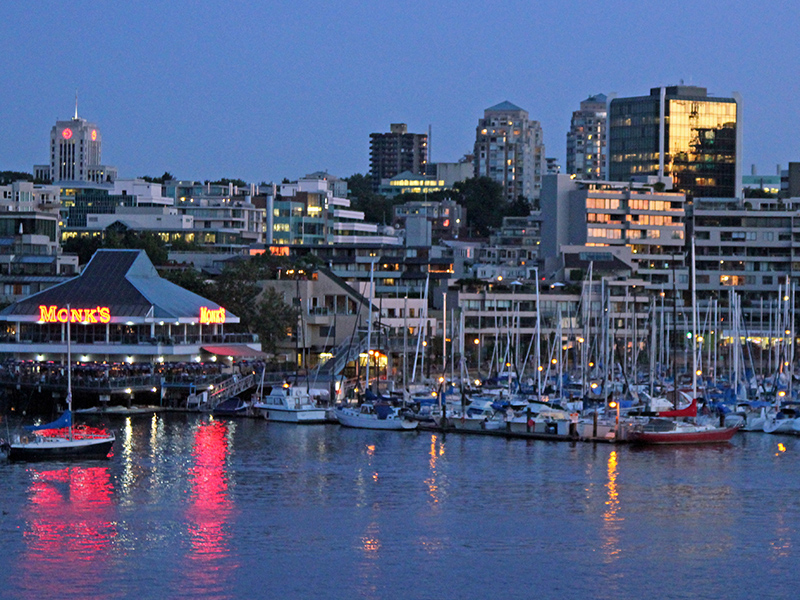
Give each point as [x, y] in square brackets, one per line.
[61, 440]
[668, 429]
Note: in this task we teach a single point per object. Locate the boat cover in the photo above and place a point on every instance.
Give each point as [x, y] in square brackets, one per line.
[65, 420]
[689, 411]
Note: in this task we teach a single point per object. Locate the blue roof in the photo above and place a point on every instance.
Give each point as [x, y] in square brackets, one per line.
[504, 106]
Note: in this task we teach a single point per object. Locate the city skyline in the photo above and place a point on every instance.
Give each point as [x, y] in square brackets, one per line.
[239, 91]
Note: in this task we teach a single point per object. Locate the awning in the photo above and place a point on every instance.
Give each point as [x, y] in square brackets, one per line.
[235, 350]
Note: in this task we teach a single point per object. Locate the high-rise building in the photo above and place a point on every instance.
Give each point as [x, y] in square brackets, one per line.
[509, 148]
[586, 139]
[395, 152]
[75, 154]
[682, 136]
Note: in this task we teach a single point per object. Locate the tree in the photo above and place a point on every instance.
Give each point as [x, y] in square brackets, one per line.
[276, 320]
[167, 176]
[376, 208]
[483, 199]
[7, 177]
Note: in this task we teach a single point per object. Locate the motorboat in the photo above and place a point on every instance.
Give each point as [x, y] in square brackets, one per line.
[291, 404]
[376, 416]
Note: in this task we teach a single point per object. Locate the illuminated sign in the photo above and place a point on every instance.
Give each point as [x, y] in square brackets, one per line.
[67, 133]
[94, 135]
[54, 314]
[208, 316]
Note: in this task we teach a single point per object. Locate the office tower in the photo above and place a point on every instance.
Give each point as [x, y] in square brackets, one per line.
[509, 148]
[586, 139]
[682, 136]
[75, 154]
[395, 152]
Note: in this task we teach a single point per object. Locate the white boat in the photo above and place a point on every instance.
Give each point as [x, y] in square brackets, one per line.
[291, 404]
[478, 415]
[375, 416]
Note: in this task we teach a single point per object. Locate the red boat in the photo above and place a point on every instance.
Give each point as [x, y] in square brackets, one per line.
[665, 431]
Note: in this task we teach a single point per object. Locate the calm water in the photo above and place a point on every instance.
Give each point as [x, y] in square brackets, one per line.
[191, 507]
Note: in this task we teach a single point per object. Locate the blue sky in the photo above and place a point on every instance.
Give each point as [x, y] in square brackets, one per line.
[267, 90]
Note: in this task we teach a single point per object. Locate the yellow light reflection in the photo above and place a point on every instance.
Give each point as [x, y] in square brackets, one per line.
[781, 448]
[431, 482]
[611, 524]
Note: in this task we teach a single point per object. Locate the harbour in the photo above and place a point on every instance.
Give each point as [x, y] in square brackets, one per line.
[192, 506]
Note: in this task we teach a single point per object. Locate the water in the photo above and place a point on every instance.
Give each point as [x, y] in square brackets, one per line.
[191, 507]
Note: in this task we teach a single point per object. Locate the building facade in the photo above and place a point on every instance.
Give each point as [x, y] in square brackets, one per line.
[586, 139]
[509, 148]
[75, 154]
[689, 140]
[397, 151]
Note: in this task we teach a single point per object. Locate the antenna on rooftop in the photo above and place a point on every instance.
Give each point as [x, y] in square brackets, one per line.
[76, 104]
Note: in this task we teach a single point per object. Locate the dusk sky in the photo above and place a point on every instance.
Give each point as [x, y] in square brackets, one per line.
[267, 90]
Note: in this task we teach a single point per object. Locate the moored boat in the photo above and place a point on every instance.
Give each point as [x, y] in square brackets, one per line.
[375, 416]
[291, 404]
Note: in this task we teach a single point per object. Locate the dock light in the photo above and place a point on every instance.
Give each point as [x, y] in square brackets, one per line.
[700, 338]
[129, 359]
[424, 342]
[128, 390]
[541, 368]
[214, 358]
[286, 385]
[786, 298]
[211, 386]
[786, 364]
[581, 340]
[591, 364]
[433, 393]
[40, 357]
[788, 332]
[441, 379]
[154, 390]
[554, 361]
[698, 372]
[781, 393]
[476, 341]
[594, 385]
[612, 404]
[477, 382]
[160, 359]
[230, 358]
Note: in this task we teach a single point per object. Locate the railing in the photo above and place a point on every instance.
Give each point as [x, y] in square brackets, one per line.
[137, 340]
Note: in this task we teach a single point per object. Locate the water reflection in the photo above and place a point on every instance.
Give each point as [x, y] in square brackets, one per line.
[433, 487]
[70, 526]
[611, 522]
[209, 572]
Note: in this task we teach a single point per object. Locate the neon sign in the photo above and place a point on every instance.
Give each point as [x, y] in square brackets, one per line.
[209, 316]
[67, 133]
[54, 314]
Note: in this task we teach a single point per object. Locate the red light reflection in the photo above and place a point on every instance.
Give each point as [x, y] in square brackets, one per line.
[70, 528]
[209, 510]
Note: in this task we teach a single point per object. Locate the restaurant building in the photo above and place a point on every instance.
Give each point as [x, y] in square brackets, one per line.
[119, 310]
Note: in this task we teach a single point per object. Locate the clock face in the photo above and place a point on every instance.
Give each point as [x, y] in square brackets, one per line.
[94, 135]
[67, 133]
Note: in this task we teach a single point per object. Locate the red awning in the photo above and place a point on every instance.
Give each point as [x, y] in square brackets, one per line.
[235, 350]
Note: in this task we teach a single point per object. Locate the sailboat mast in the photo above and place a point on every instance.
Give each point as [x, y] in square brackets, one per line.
[69, 370]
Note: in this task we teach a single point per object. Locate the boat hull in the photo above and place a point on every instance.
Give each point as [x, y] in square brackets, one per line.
[313, 416]
[60, 449]
[705, 436]
[348, 419]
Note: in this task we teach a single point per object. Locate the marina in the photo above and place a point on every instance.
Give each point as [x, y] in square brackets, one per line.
[192, 506]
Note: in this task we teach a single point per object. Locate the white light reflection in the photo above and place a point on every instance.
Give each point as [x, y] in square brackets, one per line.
[126, 484]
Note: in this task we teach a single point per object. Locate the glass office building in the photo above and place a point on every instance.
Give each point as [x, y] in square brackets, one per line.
[678, 132]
